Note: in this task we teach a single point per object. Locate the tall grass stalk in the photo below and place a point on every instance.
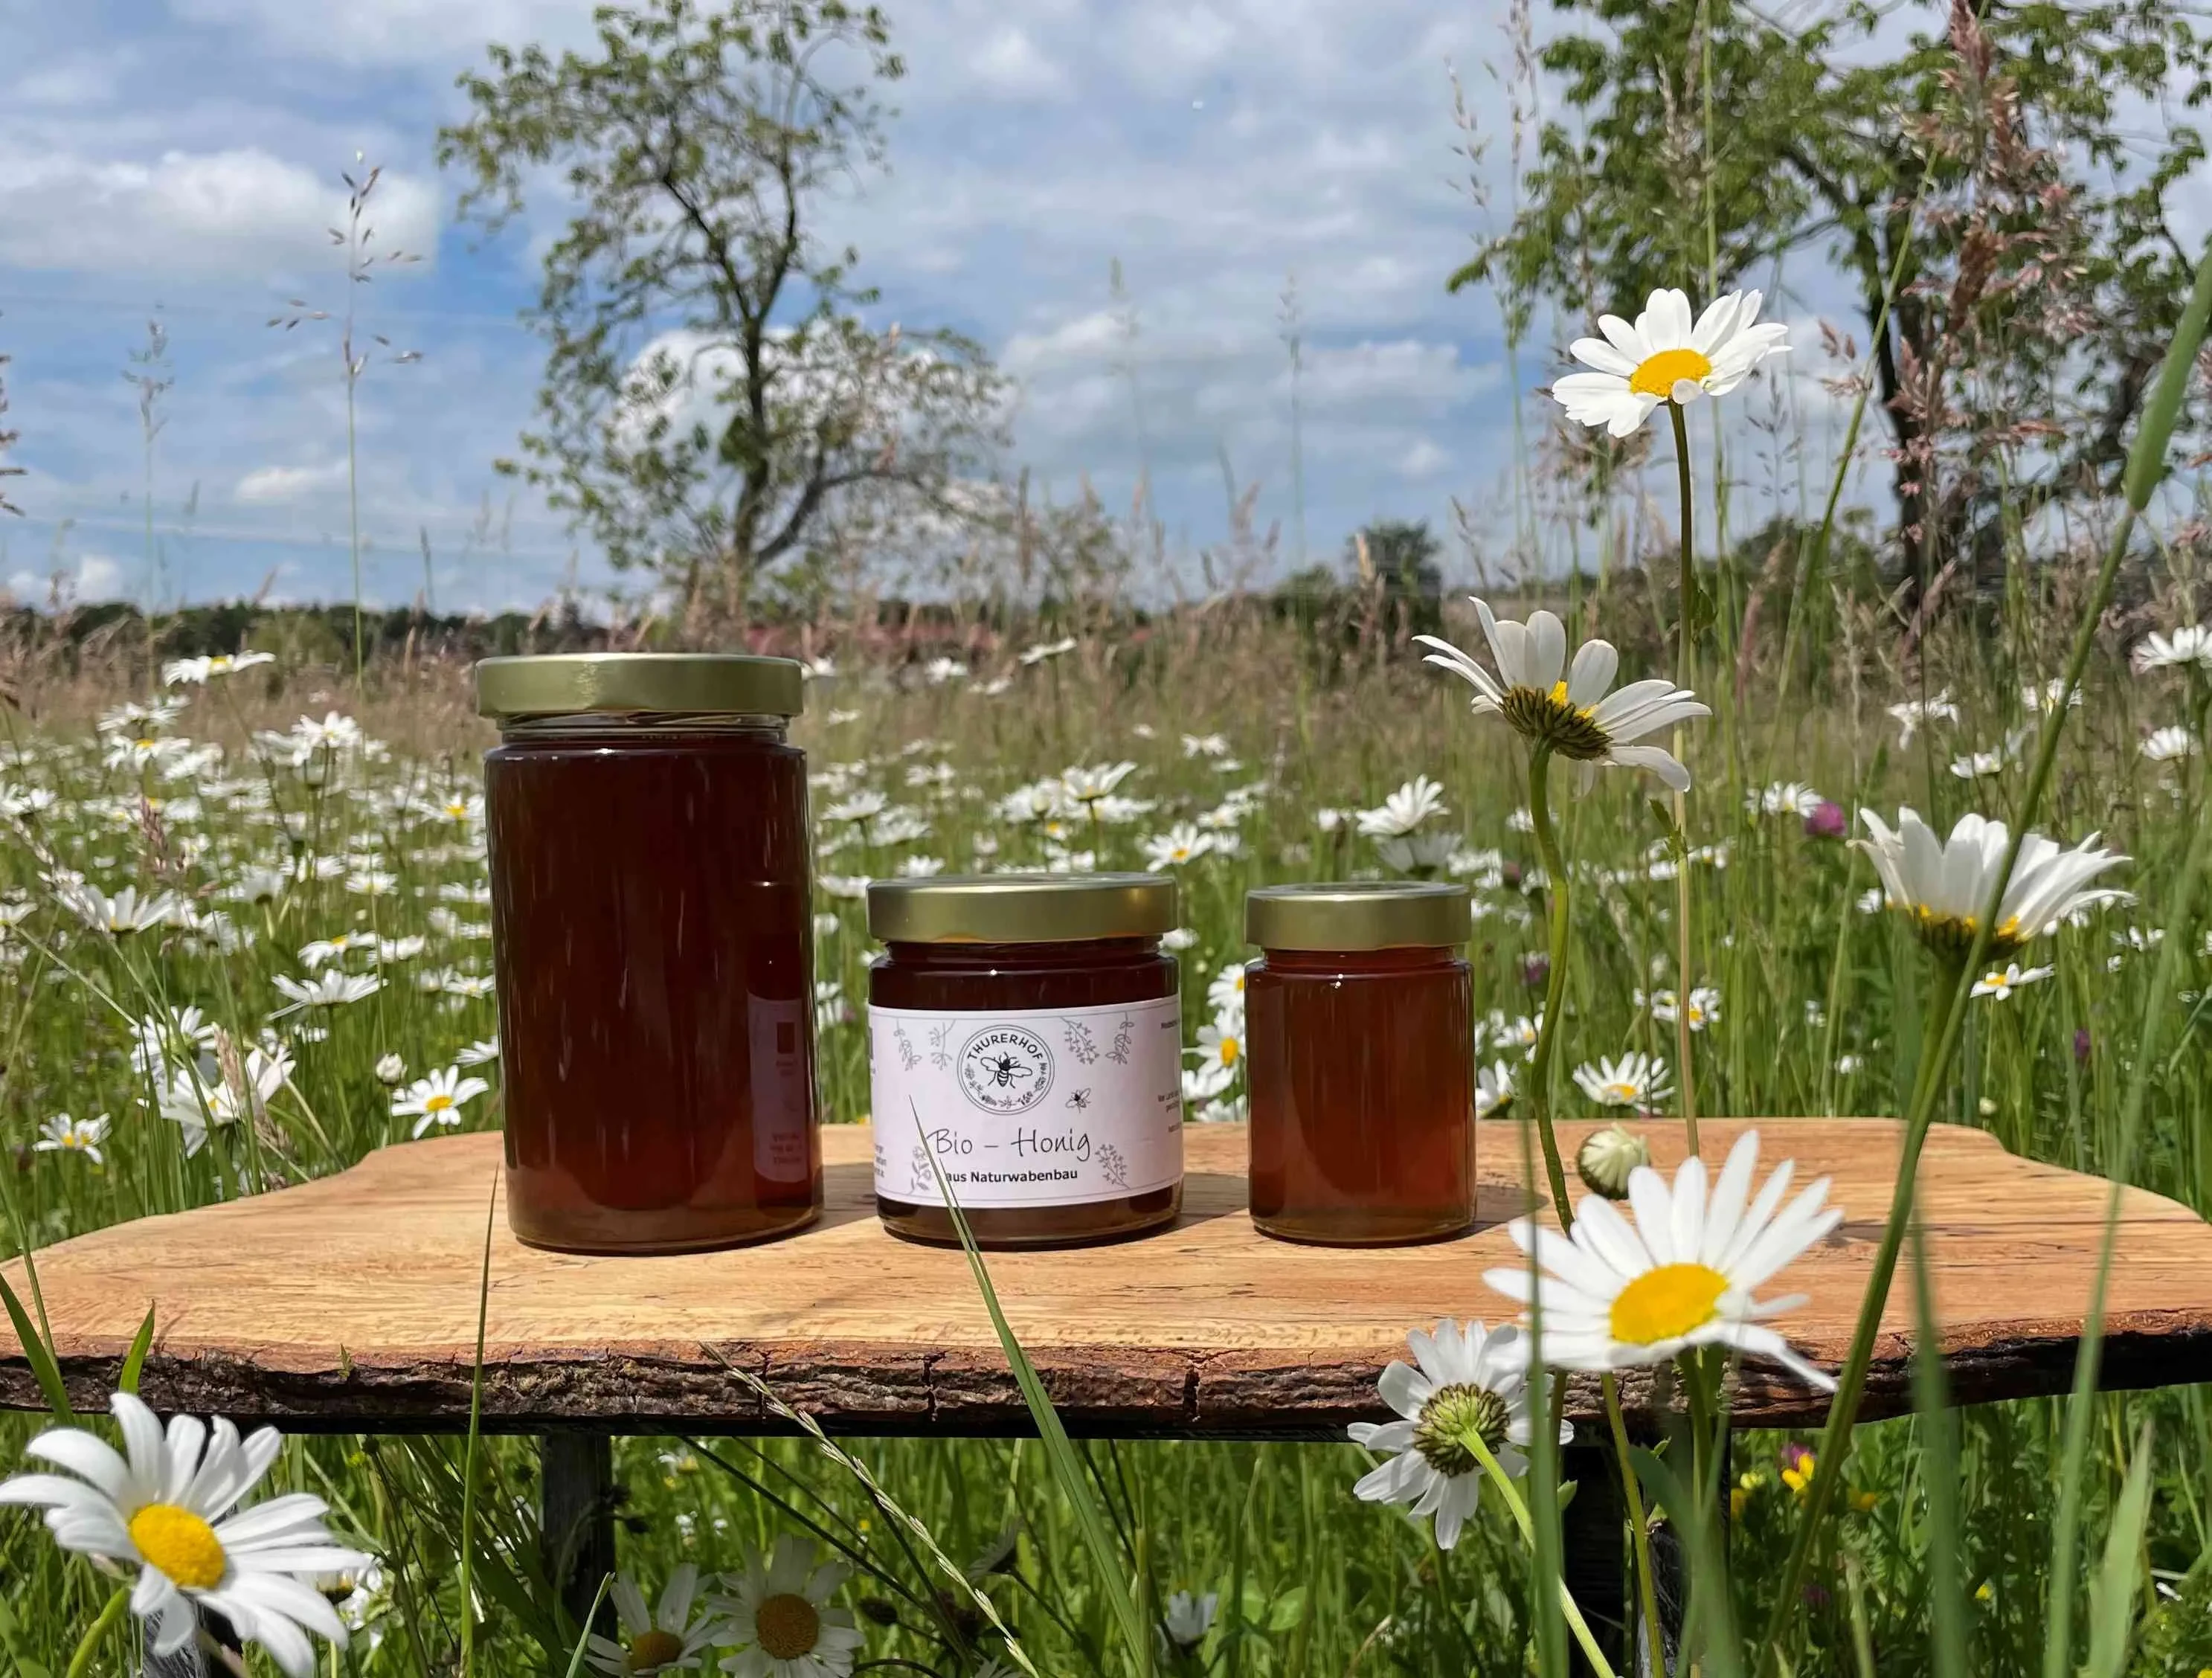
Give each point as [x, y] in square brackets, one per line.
[2145, 465]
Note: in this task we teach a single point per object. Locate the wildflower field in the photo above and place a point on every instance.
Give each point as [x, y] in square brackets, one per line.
[247, 942]
[1897, 805]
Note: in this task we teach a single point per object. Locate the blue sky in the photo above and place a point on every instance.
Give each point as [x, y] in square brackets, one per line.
[185, 155]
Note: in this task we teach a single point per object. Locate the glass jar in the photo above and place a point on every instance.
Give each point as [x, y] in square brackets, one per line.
[652, 939]
[1359, 1062]
[1027, 1031]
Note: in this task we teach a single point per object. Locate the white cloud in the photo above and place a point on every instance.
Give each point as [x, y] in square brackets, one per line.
[233, 213]
[267, 486]
[97, 577]
[1010, 62]
[396, 32]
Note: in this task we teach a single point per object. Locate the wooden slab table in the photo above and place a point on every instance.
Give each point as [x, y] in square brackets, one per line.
[350, 1304]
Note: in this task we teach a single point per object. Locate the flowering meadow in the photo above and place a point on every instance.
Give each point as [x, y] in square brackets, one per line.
[247, 941]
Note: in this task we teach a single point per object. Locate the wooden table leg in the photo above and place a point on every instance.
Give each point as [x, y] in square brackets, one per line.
[576, 1516]
[1593, 1532]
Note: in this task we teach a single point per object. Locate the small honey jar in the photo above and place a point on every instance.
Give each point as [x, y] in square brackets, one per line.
[1360, 1062]
[1025, 1048]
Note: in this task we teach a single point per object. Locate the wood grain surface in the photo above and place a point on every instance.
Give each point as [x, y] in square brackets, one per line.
[350, 1304]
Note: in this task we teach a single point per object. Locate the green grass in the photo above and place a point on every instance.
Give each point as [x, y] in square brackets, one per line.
[1312, 1582]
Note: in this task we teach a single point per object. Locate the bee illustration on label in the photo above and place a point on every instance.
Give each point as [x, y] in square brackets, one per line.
[1081, 1101]
[1005, 1069]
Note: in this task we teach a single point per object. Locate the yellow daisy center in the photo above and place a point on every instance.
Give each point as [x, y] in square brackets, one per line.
[1667, 1303]
[650, 1651]
[788, 1626]
[1551, 717]
[1229, 1051]
[1658, 374]
[438, 1103]
[178, 1543]
[146, 744]
[1621, 1093]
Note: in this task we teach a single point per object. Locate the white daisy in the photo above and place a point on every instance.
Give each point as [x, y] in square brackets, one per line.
[1705, 1006]
[1089, 785]
[1783, 798]
[1180, 844]
[778, 1616]
[324, 951]
[1224, 992]
[325, 990]
[1406, 809]
[1471, 1380]
[2002, 984]
[161, 1508]
[1570, 710]
[63, 1134]
[1912, 714]
[1618, 1293]
[2190, 644]
[861, 806]
[196, 1101]
[1038, 652]
[1494, 1089]
[125, 913]
[1186, 1618]
[668, 1638]
[1636, 1081]
[1417, 853]
[1978, 765]
[1204, 746]
[207, 668]
[134, 751]
[2164, 745]
[1666, 357]
[2045, 695]
[938, 672]
[1220, 1046]
[437, 1100]
[482, 1052]
[1944, 883]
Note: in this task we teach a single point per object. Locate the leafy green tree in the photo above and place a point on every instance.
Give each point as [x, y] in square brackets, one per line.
[1401, 558]
[711, 394]
[2011, 175]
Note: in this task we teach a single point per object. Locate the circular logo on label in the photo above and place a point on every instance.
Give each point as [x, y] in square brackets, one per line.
[1005, 1069]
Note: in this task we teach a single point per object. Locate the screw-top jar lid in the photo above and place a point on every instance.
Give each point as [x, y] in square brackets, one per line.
[1357, 915]
[668, 683]
[1020, 909]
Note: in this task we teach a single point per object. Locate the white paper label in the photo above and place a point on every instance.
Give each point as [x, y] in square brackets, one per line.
[1028, 1108]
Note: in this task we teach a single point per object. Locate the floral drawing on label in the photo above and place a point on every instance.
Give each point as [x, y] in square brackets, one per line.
[1080, 1043]
[1125, 1038]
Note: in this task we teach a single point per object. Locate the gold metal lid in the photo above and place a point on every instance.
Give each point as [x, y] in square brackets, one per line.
[1357, 915]
[670, 684]
[1020, 909]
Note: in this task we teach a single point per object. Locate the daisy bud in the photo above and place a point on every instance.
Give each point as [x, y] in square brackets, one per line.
[390, 1071]
[1606, 1159]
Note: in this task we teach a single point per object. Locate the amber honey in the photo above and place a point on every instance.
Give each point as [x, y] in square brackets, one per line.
[1359, 1063]
[650, 929]
[1025, 1030]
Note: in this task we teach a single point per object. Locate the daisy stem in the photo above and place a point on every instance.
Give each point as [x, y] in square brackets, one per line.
[1639, 1534]
[81, 1663]
[2147, 466]
[1473, 1439]
[1555, 990]
[1685, 658]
